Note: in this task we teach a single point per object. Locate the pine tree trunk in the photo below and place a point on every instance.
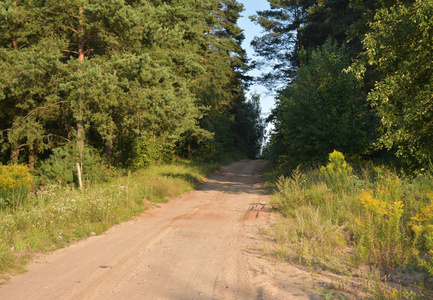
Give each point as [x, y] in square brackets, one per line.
[31, 155]
[14, 41]
[15, 152]
[298, 30]
[81, 37]
[109, 149]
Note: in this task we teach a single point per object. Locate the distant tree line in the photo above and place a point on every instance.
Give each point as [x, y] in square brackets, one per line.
[125, 81]
[350, 75]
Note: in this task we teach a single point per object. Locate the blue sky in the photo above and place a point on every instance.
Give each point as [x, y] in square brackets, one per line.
[251, 30]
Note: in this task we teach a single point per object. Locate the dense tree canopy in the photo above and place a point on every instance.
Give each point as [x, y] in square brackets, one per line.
[399, 46]
[113, 75]
[385, 112]
[295, 25]
[321, 110]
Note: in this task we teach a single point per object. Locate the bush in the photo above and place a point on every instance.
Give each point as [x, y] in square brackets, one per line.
[60, 167]
[147, 151]
[15, 184]
[337, 172]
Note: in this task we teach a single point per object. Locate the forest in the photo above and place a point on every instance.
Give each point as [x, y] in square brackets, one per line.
[350, 75]
[122, 84]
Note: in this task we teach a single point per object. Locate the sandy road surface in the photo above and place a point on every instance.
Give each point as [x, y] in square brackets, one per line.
[202, 245]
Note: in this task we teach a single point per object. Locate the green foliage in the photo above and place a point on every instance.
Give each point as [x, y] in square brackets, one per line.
[316, 236]
[61, 167]
[291, 27]
[249, 127]
[58, 216]
[15, 184]
[292, 190]
[101, 75]
[321, 110]
[317, 240]
[421, 223]
[394, 70]
[381, 233]
[222, 142]
[148, 151]
[387, 218]
[397, 45]
[281, 24]
[337, 173]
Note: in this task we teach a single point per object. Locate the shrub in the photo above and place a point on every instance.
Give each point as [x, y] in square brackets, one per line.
[15, 184]
[148, 151]
[337, 172]
[60, 167]
[386, 217]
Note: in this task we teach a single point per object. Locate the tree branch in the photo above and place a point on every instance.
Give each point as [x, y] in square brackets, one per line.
[36, 110]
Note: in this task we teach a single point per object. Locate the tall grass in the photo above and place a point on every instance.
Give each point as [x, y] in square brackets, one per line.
[55, 216]
[341, 217]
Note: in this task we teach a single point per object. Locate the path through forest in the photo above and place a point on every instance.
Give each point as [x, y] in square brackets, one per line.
[205, 244]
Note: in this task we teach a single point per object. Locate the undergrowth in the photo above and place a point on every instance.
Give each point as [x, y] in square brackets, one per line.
[54, 216]
[336, 218]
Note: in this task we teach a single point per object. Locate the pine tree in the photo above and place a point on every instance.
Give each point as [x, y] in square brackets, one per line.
[301, 25]
[28, 63]
[221, 90]
[282, 41]
[109, 73]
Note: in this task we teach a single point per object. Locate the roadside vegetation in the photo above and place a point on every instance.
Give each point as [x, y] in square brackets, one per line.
[53, 215]
[364, 221]
[353, 76]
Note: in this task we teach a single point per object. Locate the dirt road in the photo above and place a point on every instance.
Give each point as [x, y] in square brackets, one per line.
[202, 245]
